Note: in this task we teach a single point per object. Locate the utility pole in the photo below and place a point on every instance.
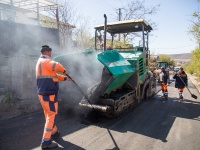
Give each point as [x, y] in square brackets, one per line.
[12, 11]
[38, 12]
[57, 17]
[120, 15]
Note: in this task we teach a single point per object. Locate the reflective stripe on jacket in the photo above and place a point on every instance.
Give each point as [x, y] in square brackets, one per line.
[47, 77]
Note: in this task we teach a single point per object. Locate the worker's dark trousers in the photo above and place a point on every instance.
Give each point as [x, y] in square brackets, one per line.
[50, 107]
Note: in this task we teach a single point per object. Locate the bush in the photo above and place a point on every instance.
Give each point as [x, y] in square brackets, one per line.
[194, 66]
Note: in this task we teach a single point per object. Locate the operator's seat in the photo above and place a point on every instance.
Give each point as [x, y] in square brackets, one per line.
[139, 48]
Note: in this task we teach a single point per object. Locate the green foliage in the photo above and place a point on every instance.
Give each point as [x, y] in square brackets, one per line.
[194, 66]
[166, 58]
[190, 68]
[6, 98]
[119, 44]
[195, 27]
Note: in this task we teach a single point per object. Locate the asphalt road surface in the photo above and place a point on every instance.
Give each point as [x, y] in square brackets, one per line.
[156, 124]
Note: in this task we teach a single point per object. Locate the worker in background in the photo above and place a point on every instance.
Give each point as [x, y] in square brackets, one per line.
[163, 78]
[47, 89]
[108, 47]
[181, 81]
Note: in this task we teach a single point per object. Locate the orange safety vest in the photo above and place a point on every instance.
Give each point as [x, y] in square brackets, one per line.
[47, 77]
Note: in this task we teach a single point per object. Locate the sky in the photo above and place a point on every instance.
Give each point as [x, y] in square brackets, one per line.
[173, 20]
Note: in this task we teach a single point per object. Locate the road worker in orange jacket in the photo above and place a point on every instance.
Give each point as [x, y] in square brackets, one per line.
[47, 89]
[181, 82]
[163, 78]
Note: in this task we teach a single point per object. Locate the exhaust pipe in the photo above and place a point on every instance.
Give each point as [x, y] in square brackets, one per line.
[99, 108]
[105, 30]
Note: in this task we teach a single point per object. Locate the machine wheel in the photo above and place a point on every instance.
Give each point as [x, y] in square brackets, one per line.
[92, 93]
[146, 95]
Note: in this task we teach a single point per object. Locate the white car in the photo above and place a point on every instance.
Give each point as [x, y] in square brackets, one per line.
[176, 69]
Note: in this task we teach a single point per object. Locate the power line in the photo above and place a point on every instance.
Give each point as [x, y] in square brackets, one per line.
[105, 7]
[171, 47]
[110, 6]
[122, 3]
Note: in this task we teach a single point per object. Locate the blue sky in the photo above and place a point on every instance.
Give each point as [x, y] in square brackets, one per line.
[173, 20]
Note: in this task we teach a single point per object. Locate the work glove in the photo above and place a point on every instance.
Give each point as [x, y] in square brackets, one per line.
[68, 77]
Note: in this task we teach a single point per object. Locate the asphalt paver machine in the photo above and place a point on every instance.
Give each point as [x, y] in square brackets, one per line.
[119, 76]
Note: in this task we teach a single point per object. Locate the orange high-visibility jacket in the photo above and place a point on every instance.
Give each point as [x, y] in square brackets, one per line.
[47, 77]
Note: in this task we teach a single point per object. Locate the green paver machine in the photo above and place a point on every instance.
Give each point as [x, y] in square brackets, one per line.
[120, 77]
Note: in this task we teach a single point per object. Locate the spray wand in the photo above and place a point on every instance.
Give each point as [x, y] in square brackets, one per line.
[79, 88]
[93, 106]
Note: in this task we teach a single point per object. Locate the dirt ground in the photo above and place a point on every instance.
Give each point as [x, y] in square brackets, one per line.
[12, 109]
[194, 81]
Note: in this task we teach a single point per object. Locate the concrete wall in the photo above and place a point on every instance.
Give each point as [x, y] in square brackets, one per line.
[18, 77]
[19, 50]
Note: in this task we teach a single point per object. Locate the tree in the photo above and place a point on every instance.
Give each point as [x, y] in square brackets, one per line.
[153, 60]
[166, 58]
[82, 38]
[194, 66]
[73, 27]
[137, 10]
[195, 28]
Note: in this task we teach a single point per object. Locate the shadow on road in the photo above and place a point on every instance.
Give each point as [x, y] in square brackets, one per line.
[25, 132]
[66, 145]
[115, 143]
[155, 118]
[187, 109]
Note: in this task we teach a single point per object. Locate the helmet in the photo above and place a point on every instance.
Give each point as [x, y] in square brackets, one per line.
[162, 67]
[45, 48]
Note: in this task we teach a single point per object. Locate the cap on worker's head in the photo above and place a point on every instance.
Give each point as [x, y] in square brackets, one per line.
[162, 67]
[45, 48]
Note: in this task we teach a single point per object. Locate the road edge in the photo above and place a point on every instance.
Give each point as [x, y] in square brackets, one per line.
[194, 81]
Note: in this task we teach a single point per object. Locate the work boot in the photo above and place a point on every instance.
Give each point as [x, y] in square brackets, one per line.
[49, 146]
[55, 135]
[166, 96]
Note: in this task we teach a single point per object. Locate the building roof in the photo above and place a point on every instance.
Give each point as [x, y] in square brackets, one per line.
[32, 4]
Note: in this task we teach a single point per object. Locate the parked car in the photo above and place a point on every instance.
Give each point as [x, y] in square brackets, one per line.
[176, 69]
